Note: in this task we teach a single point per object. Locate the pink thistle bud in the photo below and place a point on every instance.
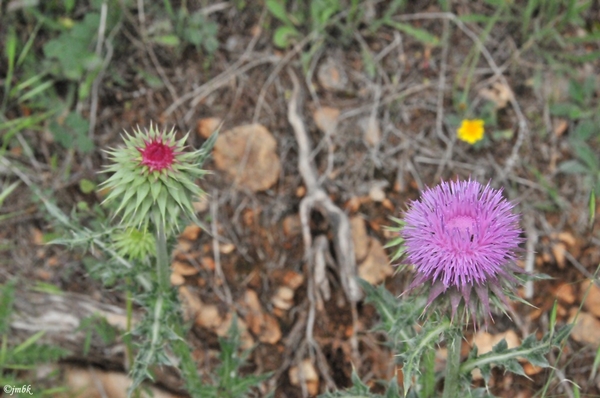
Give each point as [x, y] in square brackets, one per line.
[157, 155]
[154, 178]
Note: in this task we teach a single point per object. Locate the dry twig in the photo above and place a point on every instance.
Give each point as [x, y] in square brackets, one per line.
[316, 197]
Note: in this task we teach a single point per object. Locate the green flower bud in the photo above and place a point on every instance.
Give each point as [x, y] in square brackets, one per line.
[137, 244]
[154, 178]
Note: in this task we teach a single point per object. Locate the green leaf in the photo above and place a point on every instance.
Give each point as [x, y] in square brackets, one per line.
[7, 191]
[142, 192]
[10, 52]
[422, 35]
[30, 341]
[167, 40]
[576, 91]
[584, 130]
[283, 36]
[36, 90]
[10, 48]
[567, 109]
[595, 365]
[553, 315]
[74, 130]
[7, 296]
[156, 188]
[125, 200]
[277, 8]
[592, 207]
[572, 167]
[162, 204]
[588, 156]
[86, 186]
[72, 48]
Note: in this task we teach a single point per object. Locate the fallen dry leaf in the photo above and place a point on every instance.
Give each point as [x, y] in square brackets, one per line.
[376, 267]
[486, 341]
[283, 298]
[360, 239]
[184, 269]
[565, 237]
[353, 204]
[246, 339]
[44, 274]
[531, 370]
[388, 205]
[208, 263]
[592, 301]
[586, 329]
[191, 303]
[83, 383]
[565, 293]
[292, 279]
[248, 155]
[331, 75]
[207, 126]
[270, 332]
[263, 325]
[177, 279]
[326, 119]
[251, 300]
[377, 194]
[306, 371]
[371, 131]
[191, 232]
[560, 126]
[183, 247]
[201, 205]
[292, 225]
[558, 251]
[226, 248]
[37, 237]
[499, 94]
[208, 317]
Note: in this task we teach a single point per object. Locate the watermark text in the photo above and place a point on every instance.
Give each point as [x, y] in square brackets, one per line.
[24, 389]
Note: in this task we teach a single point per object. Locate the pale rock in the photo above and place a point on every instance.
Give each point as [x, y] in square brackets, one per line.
[248, 154]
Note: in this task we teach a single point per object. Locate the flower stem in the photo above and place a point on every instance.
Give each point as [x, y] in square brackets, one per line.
[452, 380]
[127, 335]
[162, 259]
[180, 347]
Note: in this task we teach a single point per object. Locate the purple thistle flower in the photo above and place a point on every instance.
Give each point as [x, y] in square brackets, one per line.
[462, 239]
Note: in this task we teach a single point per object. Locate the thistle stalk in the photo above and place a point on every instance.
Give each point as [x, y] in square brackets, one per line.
[452, 380]
[162, 259]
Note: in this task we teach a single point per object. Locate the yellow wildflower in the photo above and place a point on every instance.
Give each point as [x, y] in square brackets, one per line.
[471, 131]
